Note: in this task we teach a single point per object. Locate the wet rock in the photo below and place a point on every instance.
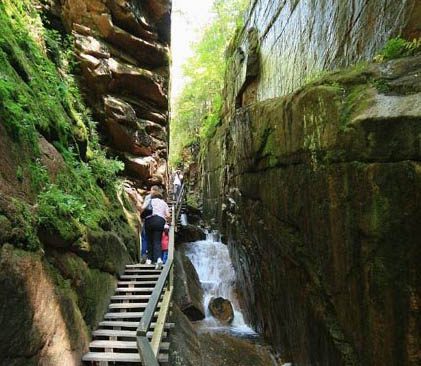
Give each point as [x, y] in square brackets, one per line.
[220, 349]
[184, 342]
[188, 293]
[189, 233]
[221, 309]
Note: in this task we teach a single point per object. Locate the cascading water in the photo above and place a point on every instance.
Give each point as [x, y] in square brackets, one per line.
[213, 264]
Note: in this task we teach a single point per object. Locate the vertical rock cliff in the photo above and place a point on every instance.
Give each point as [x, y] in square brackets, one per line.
[68, 220]
[315, 181]
[123, 50]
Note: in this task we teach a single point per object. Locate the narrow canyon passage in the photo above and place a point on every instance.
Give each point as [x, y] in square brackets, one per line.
[280, 141]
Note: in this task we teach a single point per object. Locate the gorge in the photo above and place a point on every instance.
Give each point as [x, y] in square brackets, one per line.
[299, 140]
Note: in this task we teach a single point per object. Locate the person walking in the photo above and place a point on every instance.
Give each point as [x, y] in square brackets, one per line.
[156, 212]
[177, 181]
[164, 243]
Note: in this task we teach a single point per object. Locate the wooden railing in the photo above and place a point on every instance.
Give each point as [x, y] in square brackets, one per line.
[148, 351]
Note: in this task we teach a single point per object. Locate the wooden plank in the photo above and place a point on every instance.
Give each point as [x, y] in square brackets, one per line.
[136, 283]
[128, 305]
[127, 324]
[160, 322]
[142, 270]
[164, 346]
[145, 352]
[134, 289]
[119, 357]
[138, 265]
[119, 333]
[136, 277]
[127, 315]
[130, 297]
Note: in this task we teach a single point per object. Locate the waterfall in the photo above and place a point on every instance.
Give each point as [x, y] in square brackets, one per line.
[213, 264]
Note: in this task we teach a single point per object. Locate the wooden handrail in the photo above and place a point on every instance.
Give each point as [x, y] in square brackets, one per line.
[149, 351]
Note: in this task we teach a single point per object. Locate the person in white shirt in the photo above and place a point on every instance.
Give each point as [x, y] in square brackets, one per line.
[177, 180]
[154, 225]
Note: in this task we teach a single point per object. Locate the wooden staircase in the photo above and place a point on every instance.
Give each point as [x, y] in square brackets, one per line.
[114, 342]
[134, 330]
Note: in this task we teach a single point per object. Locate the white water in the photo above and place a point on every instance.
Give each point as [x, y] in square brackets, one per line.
[213, 264]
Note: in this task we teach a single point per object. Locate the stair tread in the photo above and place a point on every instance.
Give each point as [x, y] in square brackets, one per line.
[134, 289]
[128, 315]
[130, 297]
[128, 305]
[118, 357]
[136, 282]
[139, 265]
[122, 344]
[120, 333]
[140, 276]
[135, 270]
[126, 324]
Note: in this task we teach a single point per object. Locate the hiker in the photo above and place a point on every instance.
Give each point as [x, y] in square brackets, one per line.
[155, 211]
[164, 243]
[177, 180]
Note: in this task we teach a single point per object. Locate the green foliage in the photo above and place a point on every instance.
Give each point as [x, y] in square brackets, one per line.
[398, 47]
[197, 110]
[38, 95]
[38, 175]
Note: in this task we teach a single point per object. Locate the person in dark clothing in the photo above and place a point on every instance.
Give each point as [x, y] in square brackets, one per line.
[154, 225]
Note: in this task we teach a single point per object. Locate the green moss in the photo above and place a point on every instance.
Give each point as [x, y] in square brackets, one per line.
[356, 99]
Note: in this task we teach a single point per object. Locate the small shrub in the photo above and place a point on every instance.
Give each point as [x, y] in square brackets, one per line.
[398, 47]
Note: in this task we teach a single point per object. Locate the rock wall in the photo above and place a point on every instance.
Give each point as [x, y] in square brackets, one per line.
[296, 40]
[123, 50]
[316, 190]
[68, 224]
[317, 194]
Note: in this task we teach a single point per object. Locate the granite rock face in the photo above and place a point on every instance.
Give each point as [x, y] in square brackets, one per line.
[123, 50]
[285, 43]
[318, 195]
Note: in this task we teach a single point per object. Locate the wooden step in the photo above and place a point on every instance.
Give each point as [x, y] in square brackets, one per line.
[120, 333]
[125, 324]
[130, 297]
[127, 315]
[129, 305]
[164, 346]
[142, 270]
[119, 357]
[136, 283]
[138, 265]
[136, 277]
[134, 289]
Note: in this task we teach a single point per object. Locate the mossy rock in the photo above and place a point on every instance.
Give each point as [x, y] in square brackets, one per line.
[103, 250]
[93, 287]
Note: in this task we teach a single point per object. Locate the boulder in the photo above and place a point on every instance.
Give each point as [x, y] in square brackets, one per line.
[221, 309]
[189, 233]
[188, 293]
[142, 167]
